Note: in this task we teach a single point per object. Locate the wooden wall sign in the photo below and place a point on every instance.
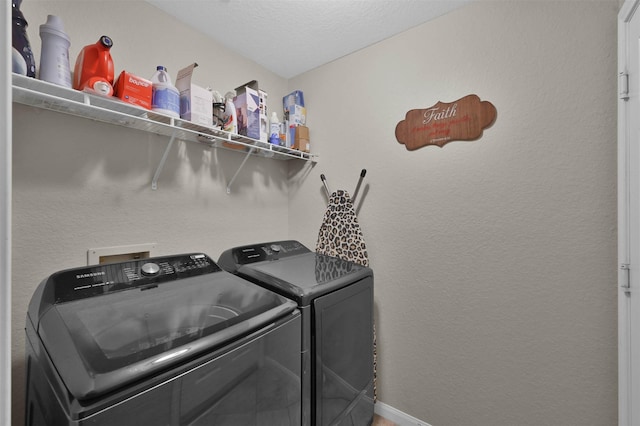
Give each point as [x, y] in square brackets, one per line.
[462, 120]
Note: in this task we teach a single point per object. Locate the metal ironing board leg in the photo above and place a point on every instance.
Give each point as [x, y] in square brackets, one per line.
[326, 188]
[355, 192]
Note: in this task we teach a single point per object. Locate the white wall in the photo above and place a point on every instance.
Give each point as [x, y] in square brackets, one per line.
[495, 260]
[5, 221]
[79, 184]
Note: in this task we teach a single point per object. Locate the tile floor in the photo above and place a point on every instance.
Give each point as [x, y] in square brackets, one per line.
[381, 421]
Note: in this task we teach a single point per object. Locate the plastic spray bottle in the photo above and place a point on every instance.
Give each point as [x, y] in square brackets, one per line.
[274, 129]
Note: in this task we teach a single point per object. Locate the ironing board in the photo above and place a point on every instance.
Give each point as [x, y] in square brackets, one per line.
[340, 236]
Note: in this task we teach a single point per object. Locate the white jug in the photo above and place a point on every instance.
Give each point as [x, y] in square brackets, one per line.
[54, 56]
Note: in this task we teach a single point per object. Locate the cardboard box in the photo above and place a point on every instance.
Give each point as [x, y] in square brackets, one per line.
[247, 103]
[297, 115]
[294, 98]
[196, 103]
[301, 141]
[263, 101]
[264, 121]
[133, 89]
[293, 105]
[264, 128]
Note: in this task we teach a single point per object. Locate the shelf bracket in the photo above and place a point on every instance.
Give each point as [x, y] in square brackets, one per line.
[246, 157]
[154, 182]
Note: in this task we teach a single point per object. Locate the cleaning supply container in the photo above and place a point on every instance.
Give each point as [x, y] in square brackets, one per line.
[94, 67]
[274, 132]
[230, 118]
[54, 56]
[165, 98]
[18, 64]
[20, 41]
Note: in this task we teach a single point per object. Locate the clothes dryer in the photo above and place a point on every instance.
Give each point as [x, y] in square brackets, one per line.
[336, 300]
[170, 340]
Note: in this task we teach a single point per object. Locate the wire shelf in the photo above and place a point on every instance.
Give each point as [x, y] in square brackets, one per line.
[41, 94]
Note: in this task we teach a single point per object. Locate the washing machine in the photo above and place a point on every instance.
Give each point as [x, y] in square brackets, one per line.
[335, 298]
[171, 340]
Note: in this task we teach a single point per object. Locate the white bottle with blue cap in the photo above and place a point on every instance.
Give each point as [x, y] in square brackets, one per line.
[165, 98]
[274, 132]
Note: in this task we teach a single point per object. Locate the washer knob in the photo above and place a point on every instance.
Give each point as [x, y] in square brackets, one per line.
[276, 248]
[150, 269]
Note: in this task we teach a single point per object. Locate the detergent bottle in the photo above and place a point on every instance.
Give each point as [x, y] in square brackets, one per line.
[165, 98]
[54, 56]
[94, 68]
[20, 41]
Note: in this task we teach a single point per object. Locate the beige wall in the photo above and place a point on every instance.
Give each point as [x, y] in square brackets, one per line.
[495, 260]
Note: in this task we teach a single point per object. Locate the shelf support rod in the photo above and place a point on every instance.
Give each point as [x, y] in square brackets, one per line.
[246, 157]
[154, 182]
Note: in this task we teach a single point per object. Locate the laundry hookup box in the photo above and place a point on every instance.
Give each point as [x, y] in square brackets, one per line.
[196, 103]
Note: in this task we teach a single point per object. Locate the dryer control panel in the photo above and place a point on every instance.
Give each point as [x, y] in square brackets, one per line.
[90, 281]
[232, 258]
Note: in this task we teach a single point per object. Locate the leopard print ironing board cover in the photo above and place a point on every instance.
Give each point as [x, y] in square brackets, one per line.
[340, 236]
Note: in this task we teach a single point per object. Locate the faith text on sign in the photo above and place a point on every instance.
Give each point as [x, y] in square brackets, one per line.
[462, 120]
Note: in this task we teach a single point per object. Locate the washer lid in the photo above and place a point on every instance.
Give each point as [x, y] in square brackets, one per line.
[98, 343]
[305, 276]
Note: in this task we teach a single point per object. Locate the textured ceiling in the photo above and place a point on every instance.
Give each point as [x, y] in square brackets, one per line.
[290, 37]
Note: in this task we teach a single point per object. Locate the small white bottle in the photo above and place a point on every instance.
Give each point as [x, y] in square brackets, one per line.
[165, 98]
[54, 56]
[274, 129]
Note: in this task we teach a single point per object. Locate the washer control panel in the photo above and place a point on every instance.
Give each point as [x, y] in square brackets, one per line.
[79, 283]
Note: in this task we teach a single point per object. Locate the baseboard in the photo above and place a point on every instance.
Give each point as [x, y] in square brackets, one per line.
[397, 416]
